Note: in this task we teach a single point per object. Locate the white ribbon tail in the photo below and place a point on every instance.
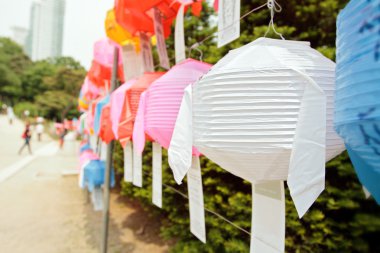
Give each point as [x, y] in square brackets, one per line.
[268, 217]
[180, 149]
[128, 162]
[179, 41]
[157, 174]
[196, 203]
[137, 168]
[306, 178]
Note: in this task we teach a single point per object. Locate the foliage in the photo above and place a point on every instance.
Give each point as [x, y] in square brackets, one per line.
[341, 220]
[33, 109]
[48, 87]
[55, 103]
[12, 64]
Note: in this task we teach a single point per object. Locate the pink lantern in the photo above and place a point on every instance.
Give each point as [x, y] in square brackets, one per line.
[117, 102]
[68, 124]
[87, 156]
[91, 115]
[103, 52]
[100, 71]
[90, 90]
[160, 103]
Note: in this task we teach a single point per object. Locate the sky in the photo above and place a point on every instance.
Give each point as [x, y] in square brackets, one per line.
[84, 24]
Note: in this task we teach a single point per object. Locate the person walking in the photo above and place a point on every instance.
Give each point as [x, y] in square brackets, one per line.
[39, 130]
[62, 134]
[26, 136]
[40, 127]
[10, 114]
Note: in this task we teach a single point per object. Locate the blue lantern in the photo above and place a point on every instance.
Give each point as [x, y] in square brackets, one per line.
[94, 174]
[357, 100]
[98, 112]
[85, 147]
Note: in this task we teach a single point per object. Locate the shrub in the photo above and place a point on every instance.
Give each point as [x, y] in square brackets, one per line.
[341, 220]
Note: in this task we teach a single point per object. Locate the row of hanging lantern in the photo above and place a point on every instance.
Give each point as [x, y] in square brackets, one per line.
[102, 121]
[94, 101]
[265, 112]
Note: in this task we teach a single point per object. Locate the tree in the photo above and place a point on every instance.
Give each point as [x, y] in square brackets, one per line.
[13, 62]
[35, 79]
[59, 84]
[55, 104]
[49, 86]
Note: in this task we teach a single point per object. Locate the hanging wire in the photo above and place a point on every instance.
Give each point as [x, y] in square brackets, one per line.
[271, 4]
[197, 44]
[197, 49]
[205, 208]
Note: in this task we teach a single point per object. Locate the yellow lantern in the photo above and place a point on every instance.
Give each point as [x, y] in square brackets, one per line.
[117, 33]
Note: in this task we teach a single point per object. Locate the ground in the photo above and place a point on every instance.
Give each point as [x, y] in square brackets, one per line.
[43, 210]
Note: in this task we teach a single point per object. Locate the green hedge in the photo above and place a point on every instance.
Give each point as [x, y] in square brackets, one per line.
[341, 220]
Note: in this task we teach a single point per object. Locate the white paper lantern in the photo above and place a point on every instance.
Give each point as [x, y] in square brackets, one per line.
[264, 113]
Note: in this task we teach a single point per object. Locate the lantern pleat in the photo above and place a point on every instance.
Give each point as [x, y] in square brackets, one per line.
[162, 102]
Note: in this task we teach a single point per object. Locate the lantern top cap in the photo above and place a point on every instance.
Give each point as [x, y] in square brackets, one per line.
[270, 41]
[188, 70]
[191, 60]
[147, 79]
[272, 54]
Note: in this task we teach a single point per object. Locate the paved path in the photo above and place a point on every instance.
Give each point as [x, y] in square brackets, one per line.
[42, 210]
[11, 141]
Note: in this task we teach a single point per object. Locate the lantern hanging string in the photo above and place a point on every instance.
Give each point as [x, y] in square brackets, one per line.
[272, 5]
[197, 44]
[205, 208]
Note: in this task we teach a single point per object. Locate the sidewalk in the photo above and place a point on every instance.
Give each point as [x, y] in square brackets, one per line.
[42, 209]
[11, 141]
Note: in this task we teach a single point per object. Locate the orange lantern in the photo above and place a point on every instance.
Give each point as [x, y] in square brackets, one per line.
[100, 75]
[131, 103]
[136, 16]
[106, 133]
